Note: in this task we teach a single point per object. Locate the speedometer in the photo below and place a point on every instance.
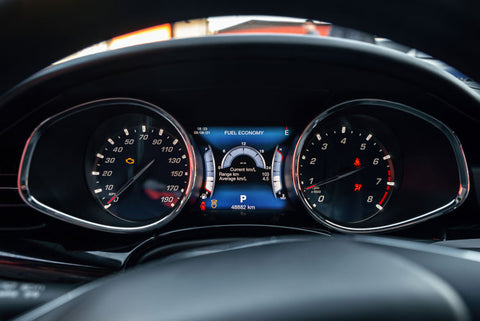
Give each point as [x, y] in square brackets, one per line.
[140, 173]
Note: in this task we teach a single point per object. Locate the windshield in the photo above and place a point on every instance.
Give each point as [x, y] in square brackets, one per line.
[235, 25]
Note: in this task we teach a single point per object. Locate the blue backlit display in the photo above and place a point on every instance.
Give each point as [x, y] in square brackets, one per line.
[263, 138]
[243, 168]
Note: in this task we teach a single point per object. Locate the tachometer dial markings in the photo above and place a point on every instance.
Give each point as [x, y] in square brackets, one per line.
[344, 177]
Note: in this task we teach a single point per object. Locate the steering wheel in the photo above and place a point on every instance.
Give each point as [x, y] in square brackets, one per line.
[285, 278]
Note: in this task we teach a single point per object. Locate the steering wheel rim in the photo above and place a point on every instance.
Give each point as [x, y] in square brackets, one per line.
[288, 278]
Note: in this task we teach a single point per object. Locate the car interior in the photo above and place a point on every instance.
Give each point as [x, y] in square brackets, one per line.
[242, 165]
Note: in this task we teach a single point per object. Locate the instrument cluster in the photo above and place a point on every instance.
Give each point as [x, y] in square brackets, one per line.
[360, 166]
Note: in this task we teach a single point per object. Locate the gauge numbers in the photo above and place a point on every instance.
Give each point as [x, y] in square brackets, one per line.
[140, 173]
[345, 174]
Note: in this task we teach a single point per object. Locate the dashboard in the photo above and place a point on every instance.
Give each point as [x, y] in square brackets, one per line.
[354, 168]
[185, 134]
[126, 156]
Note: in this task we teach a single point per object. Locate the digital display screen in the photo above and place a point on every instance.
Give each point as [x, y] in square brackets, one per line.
[243, 168]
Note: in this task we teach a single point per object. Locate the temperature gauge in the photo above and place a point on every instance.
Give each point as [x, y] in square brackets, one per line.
[209, 184]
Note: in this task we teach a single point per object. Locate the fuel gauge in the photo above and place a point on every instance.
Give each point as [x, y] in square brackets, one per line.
[277, 173]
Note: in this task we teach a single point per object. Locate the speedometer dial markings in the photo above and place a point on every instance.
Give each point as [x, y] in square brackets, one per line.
[142, 175]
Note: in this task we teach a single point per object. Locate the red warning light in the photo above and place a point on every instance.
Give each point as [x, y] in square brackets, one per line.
[202, 206]
[357, 163]
[358, 187]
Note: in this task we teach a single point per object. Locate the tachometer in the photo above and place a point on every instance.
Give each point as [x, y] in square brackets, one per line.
[344, 174]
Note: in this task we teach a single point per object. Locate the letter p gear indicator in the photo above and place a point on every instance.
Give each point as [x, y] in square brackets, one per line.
[243, 198]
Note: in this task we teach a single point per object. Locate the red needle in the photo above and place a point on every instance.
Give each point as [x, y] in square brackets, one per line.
[111, 199]
[336, 178]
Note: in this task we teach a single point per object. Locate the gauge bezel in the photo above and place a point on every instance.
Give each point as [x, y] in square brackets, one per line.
[31, 144]
[449, 134]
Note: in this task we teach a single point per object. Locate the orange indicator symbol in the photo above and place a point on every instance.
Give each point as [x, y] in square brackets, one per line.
[130, 161]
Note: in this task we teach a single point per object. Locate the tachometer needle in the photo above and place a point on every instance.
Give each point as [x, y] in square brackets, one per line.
[131, 181]
[335, 178]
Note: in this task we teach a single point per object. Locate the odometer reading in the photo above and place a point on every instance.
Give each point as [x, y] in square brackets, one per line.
[140, 173]
[345, 174]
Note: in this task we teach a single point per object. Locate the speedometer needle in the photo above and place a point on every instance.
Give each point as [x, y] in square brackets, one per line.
[335, 178]
[131, 181]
